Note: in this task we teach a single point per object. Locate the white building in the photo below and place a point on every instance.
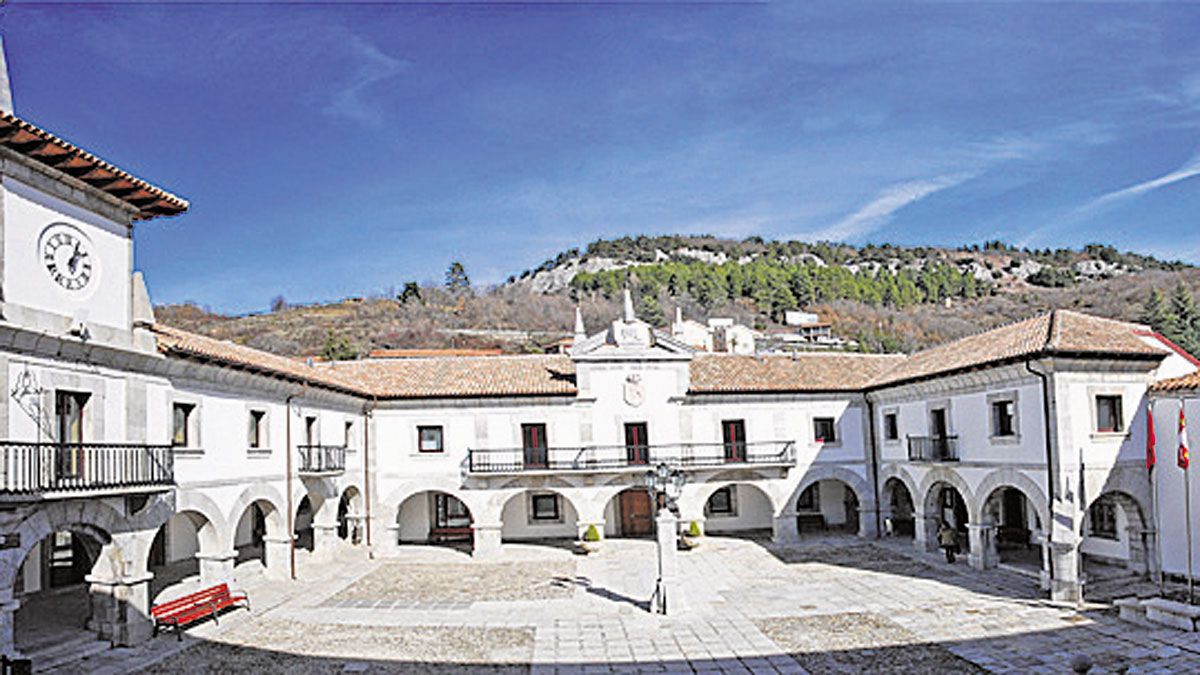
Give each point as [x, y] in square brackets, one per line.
[130, 448]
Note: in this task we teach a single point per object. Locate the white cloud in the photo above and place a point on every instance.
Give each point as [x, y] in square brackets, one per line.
[877, 212]
[1187, 170]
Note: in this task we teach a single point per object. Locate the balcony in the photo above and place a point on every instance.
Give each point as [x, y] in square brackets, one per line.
[933, 448]
[322, 460]
[48, 470]
[622, 458]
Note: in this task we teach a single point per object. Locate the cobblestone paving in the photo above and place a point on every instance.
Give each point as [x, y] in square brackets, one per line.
[464, 583]
[830, 606]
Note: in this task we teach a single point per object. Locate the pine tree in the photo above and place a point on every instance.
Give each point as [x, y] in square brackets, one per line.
[650, 311]
[1156, 313]
[457, 281]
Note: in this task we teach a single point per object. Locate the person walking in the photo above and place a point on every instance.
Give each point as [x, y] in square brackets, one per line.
[948, 540]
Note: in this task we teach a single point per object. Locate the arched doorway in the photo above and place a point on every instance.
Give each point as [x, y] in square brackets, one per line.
[350, 516]
[250, 531]
[739, 508]
[945, 504]
[538, 514]
[901, 520]
[630, 513]
[435, 517]
[1111, 545]
[55, 599]
[1018, 528]
[303, 525]
[828, 505]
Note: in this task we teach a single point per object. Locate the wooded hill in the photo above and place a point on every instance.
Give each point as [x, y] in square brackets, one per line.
[888, 298]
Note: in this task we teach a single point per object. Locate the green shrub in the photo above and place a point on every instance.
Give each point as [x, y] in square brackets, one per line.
[693, 529]
[591, 534]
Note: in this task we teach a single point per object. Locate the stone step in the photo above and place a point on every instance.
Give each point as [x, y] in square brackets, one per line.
[67, 652]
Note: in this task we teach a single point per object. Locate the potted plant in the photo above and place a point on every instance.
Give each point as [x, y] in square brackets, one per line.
[591, 540]
[690, 538]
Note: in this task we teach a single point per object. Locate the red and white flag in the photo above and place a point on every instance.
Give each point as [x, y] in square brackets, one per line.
[1183, 446]
[1151, 440]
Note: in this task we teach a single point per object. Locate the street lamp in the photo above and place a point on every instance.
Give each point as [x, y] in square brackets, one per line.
[665, 485]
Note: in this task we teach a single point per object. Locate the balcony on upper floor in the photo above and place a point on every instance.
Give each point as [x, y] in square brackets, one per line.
[322, 460]
[630, 458]
[933, 448]
[36, 471]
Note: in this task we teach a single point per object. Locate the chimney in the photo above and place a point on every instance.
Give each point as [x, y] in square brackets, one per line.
[580, 331]
[630, 317]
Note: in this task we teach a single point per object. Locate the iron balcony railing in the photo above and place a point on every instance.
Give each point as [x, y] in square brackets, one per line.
[933, 448]
[33, 468]
[322, 458]
[598, 457]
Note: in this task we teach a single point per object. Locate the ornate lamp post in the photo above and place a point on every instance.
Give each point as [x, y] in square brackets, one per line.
[665, 484]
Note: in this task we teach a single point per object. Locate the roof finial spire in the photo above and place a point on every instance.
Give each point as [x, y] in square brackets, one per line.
[629, 315]
[6, 104]
[580, 331]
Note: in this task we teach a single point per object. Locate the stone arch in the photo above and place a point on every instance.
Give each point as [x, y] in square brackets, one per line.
[93, 518]
[940, 474]
[746, 493]
[1141, 555]
[817, 473]
[204, 506]
[476, 501]
[897, 472]
[1013, 478]
[512, 504]
[276, 517]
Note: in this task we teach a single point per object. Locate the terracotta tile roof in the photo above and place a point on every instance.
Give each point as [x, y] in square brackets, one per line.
[1189, 382]
[426, 353]
[464, 376]
[729, 373]
[175, 342]
[1059, 332]
[42, 146]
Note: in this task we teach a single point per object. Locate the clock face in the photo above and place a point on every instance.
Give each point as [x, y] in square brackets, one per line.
[67, 256]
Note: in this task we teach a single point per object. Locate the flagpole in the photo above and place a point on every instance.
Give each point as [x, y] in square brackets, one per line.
[1187, 501]
[1158, 533]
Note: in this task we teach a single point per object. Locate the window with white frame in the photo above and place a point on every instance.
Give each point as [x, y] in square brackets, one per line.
[824, 430]
[182, 415]
[891, 426]
[1108, 414]
[429, 439]
[545, 508]
[1004, 418]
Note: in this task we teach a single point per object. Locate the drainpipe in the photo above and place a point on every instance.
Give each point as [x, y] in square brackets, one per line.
[1050, 482]
[291, 525]
[368, 412]
[874, 463]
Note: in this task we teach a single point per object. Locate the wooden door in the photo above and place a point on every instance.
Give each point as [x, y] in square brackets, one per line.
[637, 518]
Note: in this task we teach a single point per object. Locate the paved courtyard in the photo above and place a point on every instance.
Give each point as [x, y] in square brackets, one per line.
[827, 606]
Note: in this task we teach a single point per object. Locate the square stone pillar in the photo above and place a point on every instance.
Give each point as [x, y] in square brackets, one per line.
[8, 613]
[325, 538]
[925, 532]
[785, 530]
[1065, 586]
[277, 552]
[121, 608]
[216, 568]
[1044, 574]
[669, 597]
[487, 540]
[867, 527]
[981, 538]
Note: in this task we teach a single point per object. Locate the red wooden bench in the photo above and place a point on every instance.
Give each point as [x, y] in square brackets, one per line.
[195, 606]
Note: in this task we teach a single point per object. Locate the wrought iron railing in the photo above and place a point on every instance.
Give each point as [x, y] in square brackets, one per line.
[597, 457]
[322, 458]
[933, 448]
[31, 468]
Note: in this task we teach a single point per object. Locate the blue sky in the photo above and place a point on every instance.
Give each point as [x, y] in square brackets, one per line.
[338, 150]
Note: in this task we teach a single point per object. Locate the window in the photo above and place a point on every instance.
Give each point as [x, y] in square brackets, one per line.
[721, 502]
[1103, 517]
[1004, 418]
[69, 407]
[310, 431]
[1108, 414]
[256, 430]
[637, 447]
[733, 433]
[181, 422]
[449, 512]
[348, 440]
[824, 430]
[810, 499]
[545, 507]
[533, 439]
[429, 439]
[891, 427]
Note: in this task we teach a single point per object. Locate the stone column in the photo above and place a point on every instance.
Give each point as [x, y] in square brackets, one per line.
[668, 594]
[1044, 574]
[487, 540]
[216, 567]
[325, 536]
[1065, 586]
[277, 556]
[982, 545]
[867, 527]
[121, 608]
[785, 530]
[925, 532]
[8, 612]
